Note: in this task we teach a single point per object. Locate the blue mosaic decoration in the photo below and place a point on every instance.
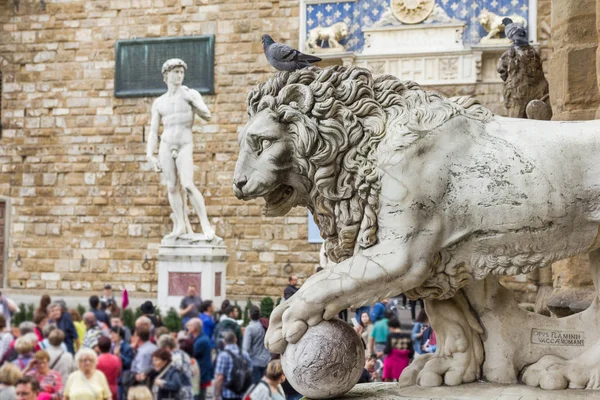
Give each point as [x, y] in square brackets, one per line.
[359, 14]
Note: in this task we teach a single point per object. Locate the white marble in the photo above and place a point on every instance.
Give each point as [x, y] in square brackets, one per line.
[191, 254]
[433, 198]
[177, 109]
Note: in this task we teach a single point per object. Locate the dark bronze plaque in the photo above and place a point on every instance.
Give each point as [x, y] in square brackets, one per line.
[139, 62]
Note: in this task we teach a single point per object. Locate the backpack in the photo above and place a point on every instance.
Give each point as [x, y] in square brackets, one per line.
[241, 373]
[248, 394]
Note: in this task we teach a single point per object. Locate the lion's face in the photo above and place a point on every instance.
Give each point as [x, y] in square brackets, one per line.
[341, 31]
[266, 166]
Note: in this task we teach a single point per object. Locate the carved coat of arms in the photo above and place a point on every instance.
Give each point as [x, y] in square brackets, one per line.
[412, 11]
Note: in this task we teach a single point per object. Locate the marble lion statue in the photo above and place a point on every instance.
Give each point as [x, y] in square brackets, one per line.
[493, 24]
[330, 34]
[434, 198]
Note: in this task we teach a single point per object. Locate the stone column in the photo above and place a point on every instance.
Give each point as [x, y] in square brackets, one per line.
[575, 95]
[573, 85]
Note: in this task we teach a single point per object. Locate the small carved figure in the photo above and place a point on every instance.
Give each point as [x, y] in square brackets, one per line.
[285, 58]
[493, 24]
[332, 35]
[526, 93]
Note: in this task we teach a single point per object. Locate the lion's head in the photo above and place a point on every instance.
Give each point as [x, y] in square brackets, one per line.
[341, 30]
[312, 140]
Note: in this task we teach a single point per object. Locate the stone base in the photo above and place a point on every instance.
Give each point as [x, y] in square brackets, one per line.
[191, 259]
[472, 391]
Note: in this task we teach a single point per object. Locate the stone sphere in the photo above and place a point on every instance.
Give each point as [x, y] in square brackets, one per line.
[327, 362]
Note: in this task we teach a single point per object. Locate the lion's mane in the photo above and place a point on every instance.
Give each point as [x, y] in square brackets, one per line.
[338, 117]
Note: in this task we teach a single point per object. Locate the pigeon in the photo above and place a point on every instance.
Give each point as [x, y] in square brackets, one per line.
[515, 32]
[284, 58]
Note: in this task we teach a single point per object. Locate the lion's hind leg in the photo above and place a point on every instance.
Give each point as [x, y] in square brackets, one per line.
[459, 354]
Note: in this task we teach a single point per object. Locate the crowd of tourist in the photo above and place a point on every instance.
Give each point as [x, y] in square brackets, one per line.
[61, 354]
[389, 348]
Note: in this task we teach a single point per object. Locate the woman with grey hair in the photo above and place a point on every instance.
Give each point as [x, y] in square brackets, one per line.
[180, 361]
[63, 321]
[87, 383]
[24, 347]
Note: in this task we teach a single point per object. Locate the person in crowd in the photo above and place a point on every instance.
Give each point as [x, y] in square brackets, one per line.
[87, 383]
[24, 348]
[93, 331]
[202, 353]
[269, 388]
[115, 320]
[40, 319]
[224, 366]
[420, 332]
[25, 328]
[6, 337]
[207, 315]
[7, 308]
[378, 310]
[398, 350]
[254, 345]
[365, 328]
[143, 358]
[186, 345]
[413, 307]
[62, 319]
[190, 305]
[45, 301]
[181, 361]
[291, 288]
[368, 373]
[121, 347]
[79, 327]
[378, 338]
[32, 337]
[60, 359]
[9, 376]
[110, 365]
[27, 388]
[101, 316]
[139, 392]
[50, 380]
[167, 380]
[107, 300]
[227, 323]
[148, 310]
[158, 332]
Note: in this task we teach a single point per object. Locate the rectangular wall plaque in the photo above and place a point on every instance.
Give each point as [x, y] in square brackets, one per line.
[179, 282]
[138, 64]
[557, 338]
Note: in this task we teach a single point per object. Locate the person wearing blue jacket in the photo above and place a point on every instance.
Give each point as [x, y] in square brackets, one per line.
[202, 354]
[420, 333]
[378, 310]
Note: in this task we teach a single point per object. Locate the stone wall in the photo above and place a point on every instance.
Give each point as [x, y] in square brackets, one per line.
[72, 155]
[86, 209]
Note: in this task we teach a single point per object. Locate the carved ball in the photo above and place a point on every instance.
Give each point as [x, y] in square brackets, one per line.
[326, 362]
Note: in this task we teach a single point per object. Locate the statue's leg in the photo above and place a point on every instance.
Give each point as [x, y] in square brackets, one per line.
[370, 275]
[459, 353]
[582, 371]
[185, 167]
[169, 177]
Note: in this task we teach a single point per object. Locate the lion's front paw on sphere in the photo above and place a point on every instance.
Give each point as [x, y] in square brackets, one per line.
[326, 362]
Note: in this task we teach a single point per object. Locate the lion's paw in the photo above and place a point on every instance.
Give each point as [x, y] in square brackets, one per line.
[556, 373]
[435, 370]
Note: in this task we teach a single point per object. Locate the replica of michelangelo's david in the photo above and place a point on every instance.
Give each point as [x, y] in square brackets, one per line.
[177, 109]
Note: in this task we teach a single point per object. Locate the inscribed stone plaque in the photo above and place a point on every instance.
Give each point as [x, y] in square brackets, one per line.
[557, 338]
[138, 64]
[179, 282]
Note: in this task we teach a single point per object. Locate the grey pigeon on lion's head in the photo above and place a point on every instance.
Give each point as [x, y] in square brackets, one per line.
[284, 58]
[516, 33]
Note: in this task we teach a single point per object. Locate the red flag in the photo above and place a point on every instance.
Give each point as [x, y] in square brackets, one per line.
[125, 299]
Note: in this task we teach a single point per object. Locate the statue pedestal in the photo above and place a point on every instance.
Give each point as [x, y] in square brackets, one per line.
[471, 391]
[190, 259]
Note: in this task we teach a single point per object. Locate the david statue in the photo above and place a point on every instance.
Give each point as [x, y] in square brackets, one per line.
[177, 109]
[434, 198]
